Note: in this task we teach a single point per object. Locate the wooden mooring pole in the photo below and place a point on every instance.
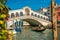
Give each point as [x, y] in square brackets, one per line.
[54, 20]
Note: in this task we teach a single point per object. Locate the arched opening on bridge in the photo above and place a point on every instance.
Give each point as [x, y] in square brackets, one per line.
[21, 13]
[44, 18]
[35, 15]
[26, 23]
[38, 16]
[47, 19]
[32, 14]
[17, 14]
[41, 16]
[12, 15]
[27, 11]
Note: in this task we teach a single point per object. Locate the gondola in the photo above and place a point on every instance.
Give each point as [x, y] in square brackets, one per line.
[38, 29]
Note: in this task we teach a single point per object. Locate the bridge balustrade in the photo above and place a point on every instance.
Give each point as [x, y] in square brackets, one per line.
[39, 16]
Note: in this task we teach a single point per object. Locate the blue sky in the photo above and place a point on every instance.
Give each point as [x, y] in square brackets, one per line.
[33, 4]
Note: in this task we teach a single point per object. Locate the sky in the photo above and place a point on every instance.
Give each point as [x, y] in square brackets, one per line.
[33, 4]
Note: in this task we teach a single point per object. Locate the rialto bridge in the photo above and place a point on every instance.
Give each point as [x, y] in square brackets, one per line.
[26, 14]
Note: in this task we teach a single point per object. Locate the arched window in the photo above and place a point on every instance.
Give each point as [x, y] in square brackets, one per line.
[17, 15]
[45, 13]
[32, 14]
[44, 18]
[27, 11]
[38, 16]
[48, 13]
[21, 13]
[41, 16]
[12, 15]
[35, 15]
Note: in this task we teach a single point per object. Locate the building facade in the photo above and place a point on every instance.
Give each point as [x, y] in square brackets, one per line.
[45, 11]
[58, 14]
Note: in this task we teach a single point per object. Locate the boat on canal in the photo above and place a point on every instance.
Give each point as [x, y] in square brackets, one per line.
[38, 29]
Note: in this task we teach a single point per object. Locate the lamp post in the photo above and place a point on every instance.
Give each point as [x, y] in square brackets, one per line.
[54, 20]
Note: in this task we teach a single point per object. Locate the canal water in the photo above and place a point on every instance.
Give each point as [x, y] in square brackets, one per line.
[27, 34]
[58, 33]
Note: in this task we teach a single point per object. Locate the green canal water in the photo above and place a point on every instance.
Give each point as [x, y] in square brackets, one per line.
[27, 34]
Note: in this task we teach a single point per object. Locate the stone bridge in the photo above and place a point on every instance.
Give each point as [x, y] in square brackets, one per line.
[27, 13]
[41, 21]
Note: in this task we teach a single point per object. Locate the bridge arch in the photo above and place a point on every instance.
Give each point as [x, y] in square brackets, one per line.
[32, 22]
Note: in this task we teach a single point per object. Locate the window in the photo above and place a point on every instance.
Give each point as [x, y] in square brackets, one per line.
[35, 15]
[58, 13]
[44, 17]
[45, 13]
[12, 15]
[48, 10]
[38, 16]
[41, 16]
[48, 13]
[21, 13]
[17, 14]
[32, 14]
[27, 11]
